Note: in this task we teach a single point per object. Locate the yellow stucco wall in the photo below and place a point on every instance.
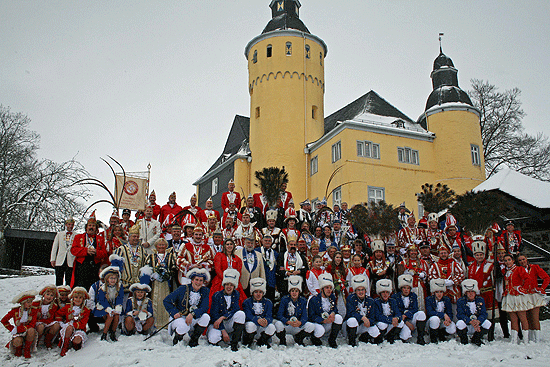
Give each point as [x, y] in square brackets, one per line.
[242, 177]
[455, 132]
[283, 92]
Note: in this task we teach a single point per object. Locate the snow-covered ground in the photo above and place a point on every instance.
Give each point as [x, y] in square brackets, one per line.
[158, 351]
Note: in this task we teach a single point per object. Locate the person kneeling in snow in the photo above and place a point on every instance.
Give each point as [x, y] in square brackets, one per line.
[188, 307]
[360, 316]
[471, 314]
[24, 319]
[292, 315]
[388, 315]
[74, 319]
[139, 308]
[407, 302]
[226, 312]
[439, 312]
[110, 297]
[259, 314]
[323, 313]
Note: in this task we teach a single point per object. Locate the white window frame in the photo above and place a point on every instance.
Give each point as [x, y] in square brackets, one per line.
[476, 159]
[337, 196]
[368, 149]
[314, 165]
[214, 186]
[408, 155]
[376, 194]
[336, 151]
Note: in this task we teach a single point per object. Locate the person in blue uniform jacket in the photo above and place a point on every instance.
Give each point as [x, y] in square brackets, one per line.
[439, 312]
[322, 312]
[407, 301]
[292, 315]
[388, 317]
[188, 307]
[471, 314]
[110, 297]
[139, 308]
[259, 314]
[225, 312]
[360, 316]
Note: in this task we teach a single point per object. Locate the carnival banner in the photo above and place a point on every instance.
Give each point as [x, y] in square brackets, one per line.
[132, 194]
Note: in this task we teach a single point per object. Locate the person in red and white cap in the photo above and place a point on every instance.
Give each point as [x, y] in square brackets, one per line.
[245, 229]
[409, 234]
[47, 320]
[256, 215]
[232, 213]
[154, 205]
[149, 230]
[290, 230]
[450, 271]
[74, 317]
[511, 239]
[60, 257]
[171, 207]
[433, 234]
[24, 317]
[452, 238]
[208, 211]
[193, 208]
[231, 196]
[195, 254]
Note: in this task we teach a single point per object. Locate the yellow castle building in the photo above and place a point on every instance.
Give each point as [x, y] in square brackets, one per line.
[367, 150]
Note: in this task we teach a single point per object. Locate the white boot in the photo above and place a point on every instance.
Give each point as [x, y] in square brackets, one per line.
[536, 336]
[513, 337]
[531, 335]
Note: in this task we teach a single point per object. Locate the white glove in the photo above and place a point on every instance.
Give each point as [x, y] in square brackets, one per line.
[449, 283]
[403, 251]
[422, 275]
[155, 276]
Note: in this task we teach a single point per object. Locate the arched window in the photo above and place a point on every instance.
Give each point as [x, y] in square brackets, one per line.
[269, 50]
[255, 57]
[308, 54]
[288, 48]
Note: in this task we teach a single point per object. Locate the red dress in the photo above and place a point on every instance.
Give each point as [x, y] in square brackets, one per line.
[221, 263]
[515, 297]
[536, 293]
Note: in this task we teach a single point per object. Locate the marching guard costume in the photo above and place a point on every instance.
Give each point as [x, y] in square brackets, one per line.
[386, 310]
[407, 301]
[439, 312]
[24, 316]
[471, 314]
[188, 301]
[74, 318]
[322, 311]
[360, 315]
[258, 312]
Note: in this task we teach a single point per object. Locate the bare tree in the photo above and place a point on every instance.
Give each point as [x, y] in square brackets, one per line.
[34, 194]
[504, 140]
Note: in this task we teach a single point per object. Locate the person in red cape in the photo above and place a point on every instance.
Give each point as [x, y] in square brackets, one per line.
[89, 251]
[171, 207]
[154, 205]
[231, 196]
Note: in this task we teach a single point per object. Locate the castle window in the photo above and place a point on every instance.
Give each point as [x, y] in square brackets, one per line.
[255, 57]
[313, 165]
[336, 152]
[308, 54]
[368, 149]
[269, 50]
[408, 155]
[321, 58]
[476, 160]
[314, 112]
[257, 112]
[288, 48]
[214, 186]
[337, 196]
[376, 194]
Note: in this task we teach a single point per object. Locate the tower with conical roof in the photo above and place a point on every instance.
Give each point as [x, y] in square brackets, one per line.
[450, 114]
[286, 86]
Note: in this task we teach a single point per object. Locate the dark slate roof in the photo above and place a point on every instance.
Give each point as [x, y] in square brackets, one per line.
[442, 60]
[447, 94]
[285, 21]
[371, 103]
[240, 131]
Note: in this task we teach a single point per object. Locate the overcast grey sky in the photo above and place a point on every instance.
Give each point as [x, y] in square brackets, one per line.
[160, 81]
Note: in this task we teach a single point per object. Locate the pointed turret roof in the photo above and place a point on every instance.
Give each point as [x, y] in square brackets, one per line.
[285, 15]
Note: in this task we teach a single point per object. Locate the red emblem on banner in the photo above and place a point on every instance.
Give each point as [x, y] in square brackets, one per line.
[131, 187]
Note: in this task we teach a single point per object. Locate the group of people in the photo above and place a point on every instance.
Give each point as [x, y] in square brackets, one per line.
[259, 272]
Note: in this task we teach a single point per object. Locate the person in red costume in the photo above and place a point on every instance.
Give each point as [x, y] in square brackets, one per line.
[24, 318]
[515, 300]
[511, 239]
[171, 207]
[536, 294]
[226, 259]
[448, 269]
[154, 205]
[89, 251]
[231, 196]
[193, 208]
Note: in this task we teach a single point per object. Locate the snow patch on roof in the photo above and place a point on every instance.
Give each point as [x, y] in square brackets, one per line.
[388, 121]
[518, 185]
